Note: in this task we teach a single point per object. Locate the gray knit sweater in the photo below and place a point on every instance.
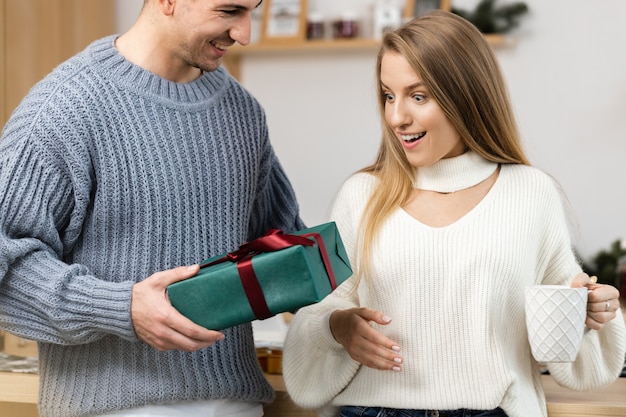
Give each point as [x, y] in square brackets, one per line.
[108, 174]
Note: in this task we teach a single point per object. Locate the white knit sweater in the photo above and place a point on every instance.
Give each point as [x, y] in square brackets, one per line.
[456, 298]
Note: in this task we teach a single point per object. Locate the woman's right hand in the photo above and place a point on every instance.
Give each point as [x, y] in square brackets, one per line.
[352, 329]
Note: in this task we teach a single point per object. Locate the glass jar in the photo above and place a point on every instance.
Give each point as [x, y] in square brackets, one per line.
[315, 27]
[346, 26]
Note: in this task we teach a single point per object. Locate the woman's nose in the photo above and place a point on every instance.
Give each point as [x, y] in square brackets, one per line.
[397, 115]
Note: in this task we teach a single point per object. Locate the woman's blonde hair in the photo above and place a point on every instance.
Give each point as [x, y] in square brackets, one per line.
[461, 73]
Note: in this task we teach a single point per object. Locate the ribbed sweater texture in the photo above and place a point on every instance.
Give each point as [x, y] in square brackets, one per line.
[455, 295]
[109, 174]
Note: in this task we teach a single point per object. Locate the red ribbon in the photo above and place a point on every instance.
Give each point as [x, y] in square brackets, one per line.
[272, 241]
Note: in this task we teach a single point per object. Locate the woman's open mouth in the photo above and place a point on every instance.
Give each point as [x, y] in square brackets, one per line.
[413, 138]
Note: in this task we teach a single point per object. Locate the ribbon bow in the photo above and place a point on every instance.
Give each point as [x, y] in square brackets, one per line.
[272, 241]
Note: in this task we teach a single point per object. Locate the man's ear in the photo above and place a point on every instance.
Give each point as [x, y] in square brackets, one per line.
[166, 6]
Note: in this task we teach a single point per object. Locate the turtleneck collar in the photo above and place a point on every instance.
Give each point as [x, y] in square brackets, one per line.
[454, 174]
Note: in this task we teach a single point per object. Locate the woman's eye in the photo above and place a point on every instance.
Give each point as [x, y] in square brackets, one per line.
[419, 97]
[388, 97]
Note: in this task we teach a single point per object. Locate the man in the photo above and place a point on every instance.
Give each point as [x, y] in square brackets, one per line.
[136, 156]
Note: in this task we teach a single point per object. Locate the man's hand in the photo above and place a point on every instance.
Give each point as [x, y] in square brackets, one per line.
[159, 324]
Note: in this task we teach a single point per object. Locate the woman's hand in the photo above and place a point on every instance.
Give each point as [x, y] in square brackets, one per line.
[602, 301]
[351, 328]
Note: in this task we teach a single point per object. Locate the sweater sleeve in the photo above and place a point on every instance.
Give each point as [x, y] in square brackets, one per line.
[315, 367]
[276, 204]
[602, 353]
[43, 296]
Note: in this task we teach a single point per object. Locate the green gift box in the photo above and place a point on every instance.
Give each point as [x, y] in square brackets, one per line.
[273, 274]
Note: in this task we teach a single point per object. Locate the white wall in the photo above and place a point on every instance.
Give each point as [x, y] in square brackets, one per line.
[567, 79]
[126, 12]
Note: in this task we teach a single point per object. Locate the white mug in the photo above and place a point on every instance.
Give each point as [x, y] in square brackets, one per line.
[555, 320]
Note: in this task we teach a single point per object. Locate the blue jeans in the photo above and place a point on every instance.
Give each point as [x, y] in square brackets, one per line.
[355, 411]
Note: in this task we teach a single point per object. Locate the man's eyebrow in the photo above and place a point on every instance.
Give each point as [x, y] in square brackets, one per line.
[235, 6]
[241, 7]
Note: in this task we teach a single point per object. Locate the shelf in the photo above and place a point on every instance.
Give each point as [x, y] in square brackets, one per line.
[306, 46]
[329, 45]
[232, 60]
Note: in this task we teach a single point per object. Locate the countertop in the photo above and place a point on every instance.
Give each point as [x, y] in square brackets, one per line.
[607, 402]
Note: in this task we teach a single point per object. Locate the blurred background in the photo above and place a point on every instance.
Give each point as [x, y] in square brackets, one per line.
[564, 63]
[565, 66]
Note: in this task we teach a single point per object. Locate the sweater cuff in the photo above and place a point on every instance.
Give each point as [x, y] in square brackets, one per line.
[320, 326]
[109, 304]
[599, 361]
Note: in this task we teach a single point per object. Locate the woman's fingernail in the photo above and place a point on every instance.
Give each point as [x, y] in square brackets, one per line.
[395, 348]
[386, 319]
[396, 368]
[397, 360]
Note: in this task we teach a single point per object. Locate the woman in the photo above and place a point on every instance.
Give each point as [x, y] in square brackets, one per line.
[445, 229]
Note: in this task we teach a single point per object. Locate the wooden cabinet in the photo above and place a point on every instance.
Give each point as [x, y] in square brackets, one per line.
[37, 35]
[17, 346]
